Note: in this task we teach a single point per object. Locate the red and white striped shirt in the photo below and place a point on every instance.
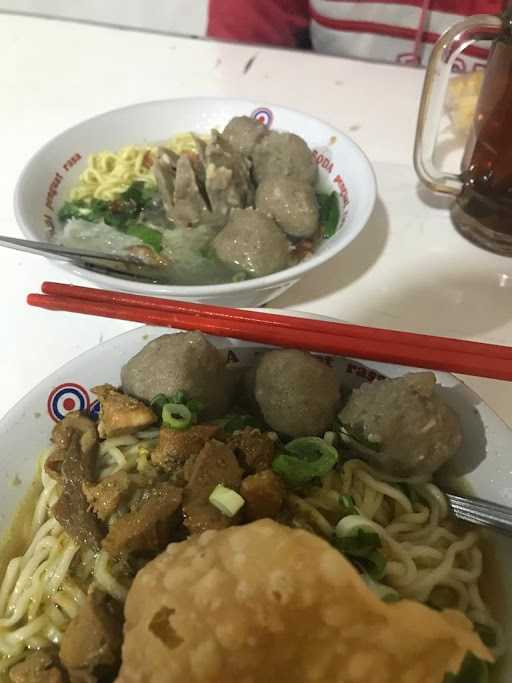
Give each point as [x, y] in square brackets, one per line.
[402, 31]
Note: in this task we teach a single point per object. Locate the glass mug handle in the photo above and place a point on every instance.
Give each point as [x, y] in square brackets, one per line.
[452, 42]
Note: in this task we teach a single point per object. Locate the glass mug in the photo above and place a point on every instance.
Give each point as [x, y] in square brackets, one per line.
[482, 211]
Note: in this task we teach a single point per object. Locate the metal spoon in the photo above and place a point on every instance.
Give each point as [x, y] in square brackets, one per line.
[128, 265]
[481, 512]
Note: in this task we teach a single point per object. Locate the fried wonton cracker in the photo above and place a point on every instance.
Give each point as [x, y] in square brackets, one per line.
[264, 602]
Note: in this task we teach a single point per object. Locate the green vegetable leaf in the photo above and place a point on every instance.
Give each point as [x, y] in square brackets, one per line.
[140, 193]
[150, 236]
[116, 213]
[86, 210]
[329, 214]
[472, 670]
[304, 459]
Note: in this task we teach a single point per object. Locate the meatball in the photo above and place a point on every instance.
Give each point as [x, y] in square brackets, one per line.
[405, 427]
[291, 202]
[243, 132]
[252, 242]
[279, 154]
[180, 362]
[297, 394]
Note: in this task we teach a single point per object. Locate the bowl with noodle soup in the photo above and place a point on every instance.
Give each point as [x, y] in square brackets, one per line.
[392, 526]
[222, 200]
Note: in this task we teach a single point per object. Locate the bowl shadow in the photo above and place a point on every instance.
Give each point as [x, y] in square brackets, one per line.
[345, 268]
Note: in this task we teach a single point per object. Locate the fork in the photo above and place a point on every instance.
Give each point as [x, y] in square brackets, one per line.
[481, 512]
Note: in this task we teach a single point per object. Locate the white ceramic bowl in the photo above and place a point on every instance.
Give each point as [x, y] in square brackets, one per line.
[50, 174]
[484, 461]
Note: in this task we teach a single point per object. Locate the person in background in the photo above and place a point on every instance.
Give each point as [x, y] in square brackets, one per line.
[402, 31]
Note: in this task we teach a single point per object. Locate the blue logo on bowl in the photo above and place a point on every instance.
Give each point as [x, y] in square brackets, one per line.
[264, 116]
[65, 399]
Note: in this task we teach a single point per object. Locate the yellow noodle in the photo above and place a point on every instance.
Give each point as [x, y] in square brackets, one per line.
[109, 174]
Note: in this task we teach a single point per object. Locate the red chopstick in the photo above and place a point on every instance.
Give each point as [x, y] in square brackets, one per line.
[251, 326]
[273, 319]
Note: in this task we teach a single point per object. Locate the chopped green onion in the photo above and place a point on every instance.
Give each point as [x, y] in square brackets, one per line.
[150, 236]
[178, 397]
[352, 525]
[385, 593]
[158, 402]
[359, 440]
[373, 564]
[330, 438]
[305, 459]
[226, 500]
[472, 670]
[360, 544]
[348, 505]
[176, 416]
[356, 538]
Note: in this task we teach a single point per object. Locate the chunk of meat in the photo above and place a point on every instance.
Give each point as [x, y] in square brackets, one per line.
[105, 497]
[147, 528]
[175, 447]
[255, 450]
[179, 186]
[120, 413]
[77, 439]
[40, 667]
[164, 169]
[73, 423]
[215, 464]
[228, 182]
[91, 645]
[263, 493]
[53, 464]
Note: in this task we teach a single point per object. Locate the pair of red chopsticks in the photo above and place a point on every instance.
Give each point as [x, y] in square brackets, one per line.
[388, 346]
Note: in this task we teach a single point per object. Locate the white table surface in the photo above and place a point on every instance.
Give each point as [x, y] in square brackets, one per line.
[408, 270]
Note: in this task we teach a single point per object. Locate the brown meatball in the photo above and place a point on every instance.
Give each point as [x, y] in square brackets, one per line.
[297, 393]
[243, 132]
[252, 242]
[180, 362]
[407, 427]
[291, 202]
[279, 154]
